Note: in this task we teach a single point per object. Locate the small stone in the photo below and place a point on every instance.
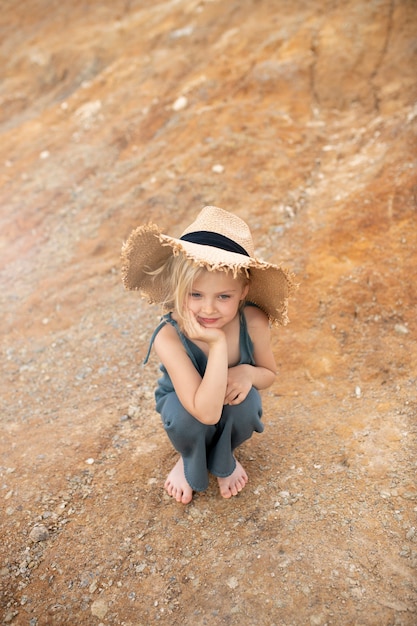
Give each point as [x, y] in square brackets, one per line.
[232, 582]
[180, 103]
[133, 411]
[99, 608]
[385, 493]
[182, 32]
[39, 533]
[411, 534]
[218, 168]
[88, 110]
[401, 329]
[409, 495]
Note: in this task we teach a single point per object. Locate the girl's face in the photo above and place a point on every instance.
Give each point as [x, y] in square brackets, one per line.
[215, 298]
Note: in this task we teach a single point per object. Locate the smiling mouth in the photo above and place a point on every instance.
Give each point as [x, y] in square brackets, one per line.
[207, 320]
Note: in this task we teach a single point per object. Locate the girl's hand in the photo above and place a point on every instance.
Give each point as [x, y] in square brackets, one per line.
[239, 383]
[196, 331]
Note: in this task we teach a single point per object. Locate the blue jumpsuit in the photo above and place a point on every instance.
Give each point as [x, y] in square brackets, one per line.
[207, 448]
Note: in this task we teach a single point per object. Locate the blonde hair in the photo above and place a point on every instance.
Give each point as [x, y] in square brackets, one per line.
[177, 276]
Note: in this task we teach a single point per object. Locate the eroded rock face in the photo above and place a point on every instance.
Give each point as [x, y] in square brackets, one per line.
[300, 117]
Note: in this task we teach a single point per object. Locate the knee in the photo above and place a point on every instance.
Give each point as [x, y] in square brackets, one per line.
[177, 420]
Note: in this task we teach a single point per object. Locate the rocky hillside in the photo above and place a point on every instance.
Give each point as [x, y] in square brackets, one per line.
[301, 117]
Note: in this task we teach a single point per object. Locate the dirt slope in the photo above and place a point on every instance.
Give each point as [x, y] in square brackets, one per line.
[301, 117]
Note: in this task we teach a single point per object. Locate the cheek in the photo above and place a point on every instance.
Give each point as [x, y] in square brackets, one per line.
[232, 305]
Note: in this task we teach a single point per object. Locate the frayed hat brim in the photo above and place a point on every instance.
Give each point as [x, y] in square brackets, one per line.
[147, 249]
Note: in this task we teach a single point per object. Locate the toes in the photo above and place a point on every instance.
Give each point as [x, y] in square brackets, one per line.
[233, 488]
[241, 483]
[177, 494]
[186, 498]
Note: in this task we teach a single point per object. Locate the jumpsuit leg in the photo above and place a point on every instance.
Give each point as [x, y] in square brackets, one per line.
[190, 437]
[237, 424]
[205, 447]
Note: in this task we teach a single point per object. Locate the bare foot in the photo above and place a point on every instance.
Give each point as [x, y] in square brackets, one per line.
[231, 485]
[176, 484]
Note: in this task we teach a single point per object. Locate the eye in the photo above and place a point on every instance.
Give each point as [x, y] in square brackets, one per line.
[224, 296]
[195, 294]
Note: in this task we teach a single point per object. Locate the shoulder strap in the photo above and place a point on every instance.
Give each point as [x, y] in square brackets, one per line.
[196, 355]
[246, 344]
[161, 324]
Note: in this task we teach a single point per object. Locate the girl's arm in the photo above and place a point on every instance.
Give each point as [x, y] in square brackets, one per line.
[261, 375]
[202, 397]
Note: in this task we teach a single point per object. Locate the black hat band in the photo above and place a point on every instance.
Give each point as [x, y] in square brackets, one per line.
[215, 240]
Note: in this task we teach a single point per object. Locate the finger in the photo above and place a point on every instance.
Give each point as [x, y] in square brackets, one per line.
[230, 395]
[191, 324]
[234, 398]
[239, 398]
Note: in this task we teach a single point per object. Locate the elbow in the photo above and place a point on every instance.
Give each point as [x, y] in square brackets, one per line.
[208, 419]
[207, 413]
[268, 379]
[272, 379]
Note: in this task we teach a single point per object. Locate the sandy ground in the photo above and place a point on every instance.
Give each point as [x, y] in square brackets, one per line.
[301, 118]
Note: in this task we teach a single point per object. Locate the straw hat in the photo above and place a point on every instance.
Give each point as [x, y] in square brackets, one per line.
[217, 240]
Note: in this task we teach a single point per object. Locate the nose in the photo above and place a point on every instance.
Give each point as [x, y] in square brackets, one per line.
[208, 305]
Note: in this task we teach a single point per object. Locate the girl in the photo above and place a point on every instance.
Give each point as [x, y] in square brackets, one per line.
[213, 344]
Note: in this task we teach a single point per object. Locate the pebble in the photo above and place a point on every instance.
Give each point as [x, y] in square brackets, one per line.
[401, 329]
[99, 608]
[180, 103]
[411, 534]
[182, 32]
[88, 110]
[39, 533]
[10, 616]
